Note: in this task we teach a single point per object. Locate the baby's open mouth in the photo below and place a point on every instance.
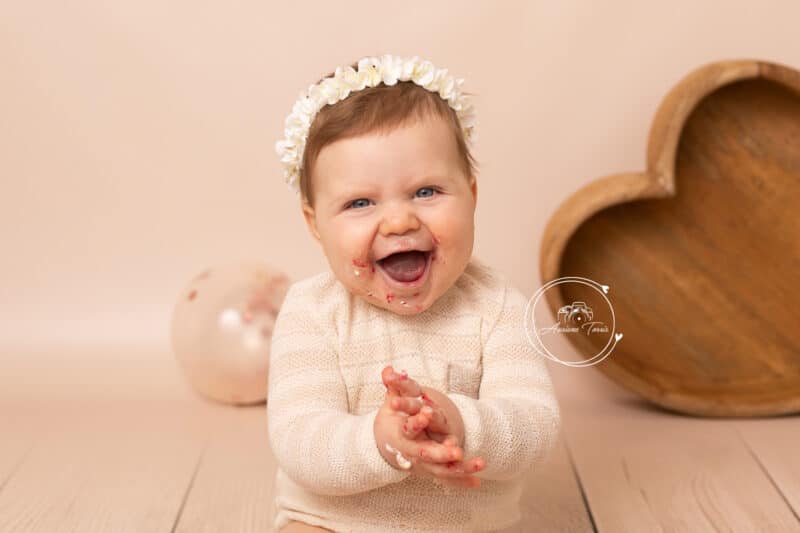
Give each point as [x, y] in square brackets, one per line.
[405, 267]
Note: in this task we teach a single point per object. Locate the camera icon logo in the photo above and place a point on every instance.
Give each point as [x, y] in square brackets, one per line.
[575, 314]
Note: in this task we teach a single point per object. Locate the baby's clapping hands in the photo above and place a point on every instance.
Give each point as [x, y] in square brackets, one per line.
[414, 421]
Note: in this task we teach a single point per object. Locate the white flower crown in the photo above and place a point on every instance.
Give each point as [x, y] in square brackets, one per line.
[372, 71]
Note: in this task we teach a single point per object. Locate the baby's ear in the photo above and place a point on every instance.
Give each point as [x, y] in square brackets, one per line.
[311, 220]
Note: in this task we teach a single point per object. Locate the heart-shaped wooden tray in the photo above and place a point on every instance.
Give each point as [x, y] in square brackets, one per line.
[701, 251]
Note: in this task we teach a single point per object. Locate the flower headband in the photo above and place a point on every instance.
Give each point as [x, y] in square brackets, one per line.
[372, 71]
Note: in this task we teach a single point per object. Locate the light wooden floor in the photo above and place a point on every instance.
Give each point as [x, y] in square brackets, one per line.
[93, 442]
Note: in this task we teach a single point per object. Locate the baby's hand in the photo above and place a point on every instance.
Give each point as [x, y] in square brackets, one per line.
[390, 438]
[411, 399]
[427, 418]
[420, 455]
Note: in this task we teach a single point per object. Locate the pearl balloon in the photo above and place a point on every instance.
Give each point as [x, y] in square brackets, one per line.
[222, 329]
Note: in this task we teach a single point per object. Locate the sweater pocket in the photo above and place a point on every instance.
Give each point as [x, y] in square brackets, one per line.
[464, 358]
[464, 377]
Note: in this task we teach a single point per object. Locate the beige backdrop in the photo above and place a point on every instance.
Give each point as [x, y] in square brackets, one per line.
[136, 138]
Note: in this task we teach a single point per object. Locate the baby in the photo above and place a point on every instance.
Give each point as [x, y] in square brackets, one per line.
[403, 393]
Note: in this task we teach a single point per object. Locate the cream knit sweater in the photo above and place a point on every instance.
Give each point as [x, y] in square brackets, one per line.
[328, 350]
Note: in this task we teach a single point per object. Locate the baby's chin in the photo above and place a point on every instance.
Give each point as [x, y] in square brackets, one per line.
[396, 305]
[410, 304]
[411, 310]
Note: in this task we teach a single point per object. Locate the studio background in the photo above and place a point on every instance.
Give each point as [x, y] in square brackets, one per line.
[137, 138]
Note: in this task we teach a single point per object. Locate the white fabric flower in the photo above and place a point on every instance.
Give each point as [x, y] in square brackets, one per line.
[391, 69]
[370, 72]
[370, 68]
[351, 78]
[407, 67]
[423, 73]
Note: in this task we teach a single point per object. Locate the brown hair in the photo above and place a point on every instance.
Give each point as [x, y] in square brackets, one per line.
[378, 109]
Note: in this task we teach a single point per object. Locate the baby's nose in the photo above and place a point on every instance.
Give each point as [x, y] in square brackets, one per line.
[399, 220]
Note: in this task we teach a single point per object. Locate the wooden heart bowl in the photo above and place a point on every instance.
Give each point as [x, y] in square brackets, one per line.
[702, 251]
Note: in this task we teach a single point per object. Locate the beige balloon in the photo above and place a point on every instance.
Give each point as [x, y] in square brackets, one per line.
[221, 330]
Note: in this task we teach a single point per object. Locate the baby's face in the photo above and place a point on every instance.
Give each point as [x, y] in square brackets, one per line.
[379, 194]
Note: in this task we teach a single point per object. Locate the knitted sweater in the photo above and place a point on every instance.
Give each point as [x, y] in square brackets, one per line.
[328, 349]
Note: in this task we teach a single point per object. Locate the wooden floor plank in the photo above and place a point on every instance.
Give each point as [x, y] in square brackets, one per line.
[234, 484]
[644, 469]
[17, 438]
[775, 443]
[552, 500]
[114, 450]
[101, 475]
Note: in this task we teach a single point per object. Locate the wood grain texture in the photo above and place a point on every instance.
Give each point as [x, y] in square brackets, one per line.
[774, 445]
[647, 469]
[551, 498]
[702, 251]
[233, 489]
[115, 443]
[17, 437]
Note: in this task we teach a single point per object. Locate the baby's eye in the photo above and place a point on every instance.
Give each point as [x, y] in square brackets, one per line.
[358, 203]
[426, 189]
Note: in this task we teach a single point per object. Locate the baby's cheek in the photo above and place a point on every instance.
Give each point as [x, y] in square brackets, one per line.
[361, 271]
[358, 265]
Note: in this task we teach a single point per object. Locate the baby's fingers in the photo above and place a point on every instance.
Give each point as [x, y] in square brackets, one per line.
[456, 473]
[457, 468]
[433, 452]
[414, 425]
[411, 406]
[400, 383]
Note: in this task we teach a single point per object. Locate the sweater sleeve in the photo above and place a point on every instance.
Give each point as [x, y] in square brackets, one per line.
[514, 423]
[316, 441]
